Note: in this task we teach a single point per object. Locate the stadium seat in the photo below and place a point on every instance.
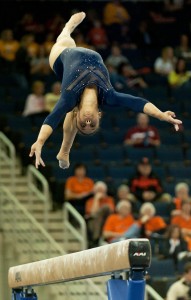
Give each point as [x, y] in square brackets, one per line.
[169, 154]
[112, 154]
[135, 154]
[111, 137]
[121, 172]
[161, 268]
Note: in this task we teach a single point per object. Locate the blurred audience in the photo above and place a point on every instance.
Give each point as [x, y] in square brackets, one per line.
[180, 290]
[53, 96]
[174, 246]
[131, 76]
[183, 220]
[180, 77]
[79, 188]
[143, 134]
[97, 35]
[8, 45]
[121, 225]
[151, 225]
[165, 64]
[114, 15]
[181, 194]
[145, 185]
[97, 209]
[116, 57]
[35, 102]
[183, 49]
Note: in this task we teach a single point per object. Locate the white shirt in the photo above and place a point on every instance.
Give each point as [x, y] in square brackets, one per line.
[177, 290]
[34, 104]
[163, 66]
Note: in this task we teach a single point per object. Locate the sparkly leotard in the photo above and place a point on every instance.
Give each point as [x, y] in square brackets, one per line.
[78, 68]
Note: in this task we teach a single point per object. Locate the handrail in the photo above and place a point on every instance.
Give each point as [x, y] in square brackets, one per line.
[8, 155]
[43, 194]
[81, 234]
[30, 217]
[31, 234]
[153, 293]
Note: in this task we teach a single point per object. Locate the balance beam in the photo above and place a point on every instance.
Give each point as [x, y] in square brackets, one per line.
[104, 260]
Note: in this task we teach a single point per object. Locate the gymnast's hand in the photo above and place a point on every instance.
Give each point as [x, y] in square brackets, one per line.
[36, 149]
[169, 116]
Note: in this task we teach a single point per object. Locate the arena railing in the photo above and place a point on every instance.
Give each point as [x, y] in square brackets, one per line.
[81, 234]
[38, 189]
[29, 241]
[8, 157]
[152, 293]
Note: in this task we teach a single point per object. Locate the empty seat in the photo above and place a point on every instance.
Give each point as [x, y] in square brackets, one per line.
[123, 172]
[169, 154]
[112, 154]
[135, 154]
[112, 137]
[161, 268]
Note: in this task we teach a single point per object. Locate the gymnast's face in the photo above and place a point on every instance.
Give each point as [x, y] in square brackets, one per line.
[87, 123]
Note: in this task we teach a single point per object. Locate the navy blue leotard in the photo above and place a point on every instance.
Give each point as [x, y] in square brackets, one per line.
[78, 68]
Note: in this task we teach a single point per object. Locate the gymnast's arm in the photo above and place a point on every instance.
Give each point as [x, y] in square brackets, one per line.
[69, 133]
[50, 123]
[138, 104]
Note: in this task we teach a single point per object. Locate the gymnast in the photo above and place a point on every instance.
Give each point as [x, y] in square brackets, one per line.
[85, 88]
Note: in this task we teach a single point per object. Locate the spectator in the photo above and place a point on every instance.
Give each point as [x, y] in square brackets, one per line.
[40, 67]
[143, 134]
[180, 290]
[80, 41]
[8, 45]
[52, 97]
[142, 37]
[165, 64]
[35, 102]
[181, 194]
[29, 25]
[131, 76]
[123, 193]
[32, 45]
[145, 185]
[116, 58]
[97, 35]
[183, 50]
[79, 188]
[180, 77]
[54, 24]
[48, 43]
[183, 220]
[97, 209]
[120, 225]
[174, 246]
[151, 224]
[115, 15]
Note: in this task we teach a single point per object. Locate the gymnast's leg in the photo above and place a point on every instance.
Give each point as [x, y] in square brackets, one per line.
[64, 40]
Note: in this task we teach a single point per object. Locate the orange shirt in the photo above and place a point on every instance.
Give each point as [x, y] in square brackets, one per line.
[178, 202]
[115, 14]
[104, 201]
[181, 222]
[76, 186]
[154, 224]
[9, 49]
[115, 223]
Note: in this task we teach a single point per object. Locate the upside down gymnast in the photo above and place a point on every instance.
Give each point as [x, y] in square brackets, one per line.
[85, 87]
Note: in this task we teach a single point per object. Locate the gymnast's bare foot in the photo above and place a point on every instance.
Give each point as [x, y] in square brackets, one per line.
[63, 159]
[75, 20]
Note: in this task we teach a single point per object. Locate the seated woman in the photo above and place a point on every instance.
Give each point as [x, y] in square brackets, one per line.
[151, 224]
[174, 246]
[121, 225]
[180, 77]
